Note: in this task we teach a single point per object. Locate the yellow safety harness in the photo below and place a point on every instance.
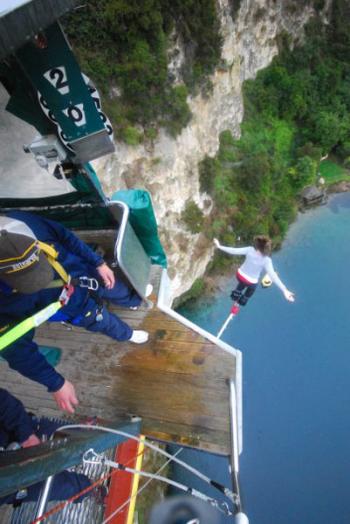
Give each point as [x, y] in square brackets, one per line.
[52, 256]
[41, 316]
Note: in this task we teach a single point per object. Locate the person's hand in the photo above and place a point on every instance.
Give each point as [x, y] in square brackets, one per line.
[66, 398]
[289, 296]
[107, 275]
[216, 242]
[32, 440]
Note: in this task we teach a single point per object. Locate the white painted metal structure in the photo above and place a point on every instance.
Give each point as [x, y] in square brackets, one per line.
[9, 5]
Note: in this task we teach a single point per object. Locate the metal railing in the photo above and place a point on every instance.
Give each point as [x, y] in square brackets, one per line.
[129, 254]
[240, 516]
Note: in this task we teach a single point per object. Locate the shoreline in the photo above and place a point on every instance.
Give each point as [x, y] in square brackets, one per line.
[212, 284]
[338, 187]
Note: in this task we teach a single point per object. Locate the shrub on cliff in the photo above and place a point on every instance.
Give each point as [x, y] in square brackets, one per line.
[296, 110]
[208, 172]
[193, 217]
[176, 114]
[124, 44]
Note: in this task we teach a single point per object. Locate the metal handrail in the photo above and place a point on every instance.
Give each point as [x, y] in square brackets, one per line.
[240, 517]
[44, 497]
[126, 238]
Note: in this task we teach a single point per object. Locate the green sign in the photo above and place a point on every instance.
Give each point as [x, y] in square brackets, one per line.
[64, 94]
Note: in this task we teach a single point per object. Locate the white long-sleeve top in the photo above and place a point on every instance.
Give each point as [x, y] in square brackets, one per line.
[255, 262]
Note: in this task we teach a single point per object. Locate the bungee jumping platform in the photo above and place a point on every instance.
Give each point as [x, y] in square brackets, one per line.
[177, 382]
[184, 385]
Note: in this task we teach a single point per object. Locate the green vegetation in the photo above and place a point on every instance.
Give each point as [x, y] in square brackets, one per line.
[131, 136]
[196, 291]
[296, 110]
[332, 172]
[177, 114]
[192, 216]
[122, 45]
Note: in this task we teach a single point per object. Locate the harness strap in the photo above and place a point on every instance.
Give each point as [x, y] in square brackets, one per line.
[40, 317]
[29, 323]
[55, 283]
[52, 255]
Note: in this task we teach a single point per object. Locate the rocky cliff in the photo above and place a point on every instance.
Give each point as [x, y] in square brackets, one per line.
[167, 167]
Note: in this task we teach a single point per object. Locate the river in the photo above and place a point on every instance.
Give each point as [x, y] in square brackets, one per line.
[295, 466]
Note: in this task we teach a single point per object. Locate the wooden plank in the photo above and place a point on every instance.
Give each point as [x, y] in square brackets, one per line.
[194, 436]
[159, 357]
[176, 382]
[177, 412]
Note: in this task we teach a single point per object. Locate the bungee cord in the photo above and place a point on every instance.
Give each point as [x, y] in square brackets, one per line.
[61, 505]
[217, 485]
[100, 459]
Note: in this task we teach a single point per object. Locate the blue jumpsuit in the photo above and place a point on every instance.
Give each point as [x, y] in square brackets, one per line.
[16, 426]
[78, 260]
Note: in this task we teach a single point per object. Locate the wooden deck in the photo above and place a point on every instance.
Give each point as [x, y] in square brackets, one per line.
[176, 382]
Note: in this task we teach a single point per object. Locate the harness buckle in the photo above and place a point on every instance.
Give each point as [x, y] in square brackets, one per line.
[66, 293]
[89, 283]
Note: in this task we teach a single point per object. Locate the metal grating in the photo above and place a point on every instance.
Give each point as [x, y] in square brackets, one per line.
[88, 511]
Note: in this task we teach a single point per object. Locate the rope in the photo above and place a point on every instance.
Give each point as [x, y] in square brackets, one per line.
[62, 505]
[217, 485]
[227, 492]
[71, 499]
[222, 507]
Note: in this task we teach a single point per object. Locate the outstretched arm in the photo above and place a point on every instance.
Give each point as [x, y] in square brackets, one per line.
[276, 279]
[231, 250]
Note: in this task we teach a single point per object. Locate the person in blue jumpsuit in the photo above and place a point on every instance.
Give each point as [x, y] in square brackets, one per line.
[24, 291]
[20, 428]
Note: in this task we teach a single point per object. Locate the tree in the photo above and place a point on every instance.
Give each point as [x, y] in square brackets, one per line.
[303, 173]
[326, 129]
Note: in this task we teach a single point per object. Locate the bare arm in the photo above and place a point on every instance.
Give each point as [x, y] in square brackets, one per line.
[231, 250]
[66, 398]
[276, 279]
[107, 275]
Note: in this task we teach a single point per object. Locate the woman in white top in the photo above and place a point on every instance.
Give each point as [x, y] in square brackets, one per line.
[256, 259]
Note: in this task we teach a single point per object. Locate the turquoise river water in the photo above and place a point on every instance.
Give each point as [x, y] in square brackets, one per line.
[295, 466]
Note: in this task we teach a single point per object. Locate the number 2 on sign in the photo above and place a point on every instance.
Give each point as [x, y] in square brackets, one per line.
[57, 77]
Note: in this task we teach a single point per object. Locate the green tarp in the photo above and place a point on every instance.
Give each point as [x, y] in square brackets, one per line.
[143, 222]
[52, 354]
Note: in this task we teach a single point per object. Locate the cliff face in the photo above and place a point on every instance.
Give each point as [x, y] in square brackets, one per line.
[167, 167]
